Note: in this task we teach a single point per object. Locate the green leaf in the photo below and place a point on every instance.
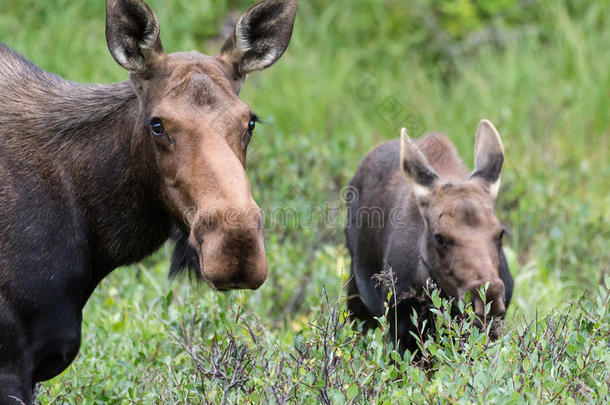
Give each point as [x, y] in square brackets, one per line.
[352, 391]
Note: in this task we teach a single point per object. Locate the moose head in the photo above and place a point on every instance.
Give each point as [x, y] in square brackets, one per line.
[198, 129]
[463, 236]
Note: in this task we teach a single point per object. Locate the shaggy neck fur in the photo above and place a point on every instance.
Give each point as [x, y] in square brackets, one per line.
[86, 141]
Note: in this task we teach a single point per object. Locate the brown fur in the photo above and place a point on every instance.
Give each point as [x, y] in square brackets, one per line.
[87, 184]
[443, 156]
[425, 196]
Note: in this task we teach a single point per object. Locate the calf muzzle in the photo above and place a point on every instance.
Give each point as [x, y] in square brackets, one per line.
[494, 295]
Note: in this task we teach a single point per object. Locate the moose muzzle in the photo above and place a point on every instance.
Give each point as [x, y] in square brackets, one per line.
[494, 295]
[231, 248]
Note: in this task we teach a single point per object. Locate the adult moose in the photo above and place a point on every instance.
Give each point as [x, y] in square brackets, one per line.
[415, 208]
[93, 177]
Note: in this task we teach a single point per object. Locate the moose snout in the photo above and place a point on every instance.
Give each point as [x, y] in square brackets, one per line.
[231, 249]
[494, 295]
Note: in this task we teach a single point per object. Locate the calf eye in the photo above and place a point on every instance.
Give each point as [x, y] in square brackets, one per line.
[439, 240]
[156, 127]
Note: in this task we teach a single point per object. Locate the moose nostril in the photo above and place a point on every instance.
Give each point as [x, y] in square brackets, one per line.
[199, 236]
[196, 237]
[479, 308]
[498, 308]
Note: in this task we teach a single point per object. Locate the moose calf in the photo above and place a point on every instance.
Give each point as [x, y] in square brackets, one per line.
[414, 208]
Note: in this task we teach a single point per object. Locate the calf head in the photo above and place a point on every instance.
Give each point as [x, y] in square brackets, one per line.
[198, 129]
[464, 238]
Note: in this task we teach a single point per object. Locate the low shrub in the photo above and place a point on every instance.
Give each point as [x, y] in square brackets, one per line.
[562, 357]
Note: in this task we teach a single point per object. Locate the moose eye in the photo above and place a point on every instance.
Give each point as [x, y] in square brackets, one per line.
[439, 240]
[156, 126]
[252, 124]
[502, 233]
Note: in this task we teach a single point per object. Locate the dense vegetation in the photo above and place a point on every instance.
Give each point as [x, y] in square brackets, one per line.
[356, 71]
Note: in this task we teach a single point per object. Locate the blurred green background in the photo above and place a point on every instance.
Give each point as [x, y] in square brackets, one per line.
[355, 72]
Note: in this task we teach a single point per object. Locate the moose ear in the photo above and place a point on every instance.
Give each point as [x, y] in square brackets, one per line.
[132, 34]
[260, 37]
[418, 170]
[488, 156]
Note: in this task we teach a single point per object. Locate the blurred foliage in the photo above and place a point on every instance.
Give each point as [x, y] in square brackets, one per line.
[355, 72]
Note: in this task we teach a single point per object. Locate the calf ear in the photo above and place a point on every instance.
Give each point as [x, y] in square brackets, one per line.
[418, 170]
[488, 157]
[132, 34]
[260, 37]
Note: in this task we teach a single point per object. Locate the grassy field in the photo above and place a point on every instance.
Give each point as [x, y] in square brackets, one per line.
[355, 72]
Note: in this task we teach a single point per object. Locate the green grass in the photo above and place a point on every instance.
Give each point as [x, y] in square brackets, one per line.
[547, 90]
